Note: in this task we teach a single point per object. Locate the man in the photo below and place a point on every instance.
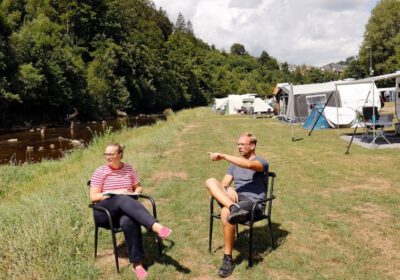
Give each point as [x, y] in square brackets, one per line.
[247, 173]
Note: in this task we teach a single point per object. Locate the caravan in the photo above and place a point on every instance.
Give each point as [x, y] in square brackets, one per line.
[342, 100]
[246, 103]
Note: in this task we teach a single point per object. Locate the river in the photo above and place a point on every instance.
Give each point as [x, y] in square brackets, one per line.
[39, 143]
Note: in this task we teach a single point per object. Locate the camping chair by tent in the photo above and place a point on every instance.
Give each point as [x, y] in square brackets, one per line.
[373, 124]
[265, 215]
[114, 229]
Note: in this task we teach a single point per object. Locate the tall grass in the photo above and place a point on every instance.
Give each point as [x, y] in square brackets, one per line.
[45, 224]
[335, 216]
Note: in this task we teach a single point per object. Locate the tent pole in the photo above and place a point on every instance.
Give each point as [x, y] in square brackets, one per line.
[337, 109]
[373, 110]
[291, 122]
[319, 114]
[351, 141]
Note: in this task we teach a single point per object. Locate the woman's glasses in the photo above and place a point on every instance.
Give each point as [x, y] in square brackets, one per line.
[109, 154]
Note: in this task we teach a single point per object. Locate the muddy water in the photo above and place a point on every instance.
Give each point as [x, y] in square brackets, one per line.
[52, 143]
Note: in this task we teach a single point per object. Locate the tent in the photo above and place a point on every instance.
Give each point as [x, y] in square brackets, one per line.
[236, 103]
[299, 99]
[315, 120]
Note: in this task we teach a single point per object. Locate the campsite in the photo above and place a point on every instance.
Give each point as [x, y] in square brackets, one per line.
[269, 147]
[335, 215]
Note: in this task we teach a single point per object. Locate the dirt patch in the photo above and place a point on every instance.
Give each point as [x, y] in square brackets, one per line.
[280, 274]
[373, 184]
[371, 225]
[189, 127]
[169, 175]
[195, 259]
[373, 213]
[106, 260]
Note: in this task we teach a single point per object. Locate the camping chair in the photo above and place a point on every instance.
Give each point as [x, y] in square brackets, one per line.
[114, 229]
[254, 217]
[372, 122]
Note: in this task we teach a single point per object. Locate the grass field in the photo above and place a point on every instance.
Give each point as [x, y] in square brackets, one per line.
[336, 216]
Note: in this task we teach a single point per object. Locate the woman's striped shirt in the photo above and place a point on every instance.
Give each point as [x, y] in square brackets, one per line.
[110, 179]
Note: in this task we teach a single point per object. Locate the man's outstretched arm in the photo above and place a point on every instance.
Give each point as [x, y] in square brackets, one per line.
[239, 161]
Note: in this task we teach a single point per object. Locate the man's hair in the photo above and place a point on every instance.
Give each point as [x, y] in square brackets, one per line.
[253, 139]
[119, 146]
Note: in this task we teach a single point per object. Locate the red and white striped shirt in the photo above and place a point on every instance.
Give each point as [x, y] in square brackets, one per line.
[110, 179]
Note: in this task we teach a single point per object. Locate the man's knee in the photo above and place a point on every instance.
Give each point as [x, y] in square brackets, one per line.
[211, 183]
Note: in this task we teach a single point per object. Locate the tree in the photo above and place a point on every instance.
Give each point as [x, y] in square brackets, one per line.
[268, 61]
[180, 24]
[354, 70]
[238, 49]
[380, 38]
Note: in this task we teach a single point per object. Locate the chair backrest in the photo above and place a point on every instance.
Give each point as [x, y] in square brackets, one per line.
[369, 111]
[269, 178]
[269, 189]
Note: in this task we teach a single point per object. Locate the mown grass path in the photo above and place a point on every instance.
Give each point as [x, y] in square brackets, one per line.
[335, 216]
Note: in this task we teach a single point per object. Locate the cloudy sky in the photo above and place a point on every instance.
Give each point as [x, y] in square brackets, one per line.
[312, 32]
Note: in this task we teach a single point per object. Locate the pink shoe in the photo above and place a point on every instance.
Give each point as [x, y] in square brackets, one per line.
[164, 232]
[140, 272]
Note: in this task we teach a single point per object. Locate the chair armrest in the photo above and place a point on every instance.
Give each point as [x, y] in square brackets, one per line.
[153, 203]
[104, 210]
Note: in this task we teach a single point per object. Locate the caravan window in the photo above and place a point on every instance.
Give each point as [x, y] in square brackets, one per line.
[313, 100]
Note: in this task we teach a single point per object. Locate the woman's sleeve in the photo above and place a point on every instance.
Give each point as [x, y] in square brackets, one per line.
[135, 177]
[97, 178]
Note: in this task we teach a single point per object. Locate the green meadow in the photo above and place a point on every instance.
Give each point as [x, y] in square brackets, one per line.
[336, 216]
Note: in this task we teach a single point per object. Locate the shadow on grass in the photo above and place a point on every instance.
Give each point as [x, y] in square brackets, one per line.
[261, 242]
[152, 254]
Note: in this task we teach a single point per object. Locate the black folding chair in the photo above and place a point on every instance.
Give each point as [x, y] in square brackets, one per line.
[116, 229]
[255, 216]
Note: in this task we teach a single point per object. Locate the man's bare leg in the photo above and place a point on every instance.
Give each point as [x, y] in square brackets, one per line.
[228, 231]
[217, 191]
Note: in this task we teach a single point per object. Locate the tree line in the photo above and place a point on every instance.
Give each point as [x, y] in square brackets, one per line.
[100, 57]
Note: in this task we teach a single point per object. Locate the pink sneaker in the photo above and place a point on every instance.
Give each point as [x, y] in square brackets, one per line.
[140, 272]
[164, 232]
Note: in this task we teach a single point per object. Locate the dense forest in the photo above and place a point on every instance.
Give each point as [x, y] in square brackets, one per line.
[101, 57]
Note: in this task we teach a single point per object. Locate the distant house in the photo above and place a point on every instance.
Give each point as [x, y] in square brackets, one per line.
[292, 67]
[334, 67]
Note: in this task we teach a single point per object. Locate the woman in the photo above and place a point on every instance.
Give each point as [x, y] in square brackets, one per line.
[108, 188]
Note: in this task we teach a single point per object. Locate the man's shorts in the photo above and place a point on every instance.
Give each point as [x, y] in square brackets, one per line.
[246, 203]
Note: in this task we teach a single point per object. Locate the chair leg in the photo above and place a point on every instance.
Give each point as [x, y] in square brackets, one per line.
[272, 235]
[210, 233]
[115, 250]
[96, 233]
[159, 244]
[251, 246]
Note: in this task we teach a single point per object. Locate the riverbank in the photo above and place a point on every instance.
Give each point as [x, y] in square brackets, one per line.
[33, 145]
[334, 216]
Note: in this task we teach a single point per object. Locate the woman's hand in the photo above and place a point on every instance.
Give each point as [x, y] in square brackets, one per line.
[96, 195]
[137, 188]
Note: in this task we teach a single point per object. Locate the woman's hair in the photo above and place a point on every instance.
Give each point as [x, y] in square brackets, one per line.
[120, 147]
[253, 139]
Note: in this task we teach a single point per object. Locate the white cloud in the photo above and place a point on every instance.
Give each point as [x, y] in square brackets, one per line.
[314, 32]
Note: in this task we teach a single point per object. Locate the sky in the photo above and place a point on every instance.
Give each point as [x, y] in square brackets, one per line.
[311, 32]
